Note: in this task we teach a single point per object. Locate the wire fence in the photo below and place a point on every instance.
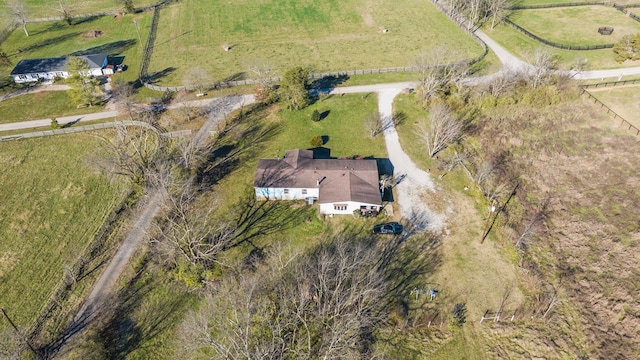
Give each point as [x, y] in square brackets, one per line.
[609, 111]
[610, 84]
[77, 129]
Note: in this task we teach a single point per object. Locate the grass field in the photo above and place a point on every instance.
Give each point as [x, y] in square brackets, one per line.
[52, 205]
[622, 100]
[328, 35]
[55, 38]
[523, 46]
[577, 25]
[471, 272]
[50, 104]
[48, 8]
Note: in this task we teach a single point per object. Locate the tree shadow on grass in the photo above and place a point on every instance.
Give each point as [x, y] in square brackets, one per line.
[238, 142]
[112, 48]
[48, 42]
[328, 83]
[256, 218]
[155, 76]
[123, 322]
[85, 20]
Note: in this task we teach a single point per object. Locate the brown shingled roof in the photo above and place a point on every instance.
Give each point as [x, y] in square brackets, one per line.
[340, 180]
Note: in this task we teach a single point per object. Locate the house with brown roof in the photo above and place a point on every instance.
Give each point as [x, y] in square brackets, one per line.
[340, 186]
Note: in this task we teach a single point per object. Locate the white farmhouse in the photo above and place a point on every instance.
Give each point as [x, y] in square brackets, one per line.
[339, 186]
[30, 70]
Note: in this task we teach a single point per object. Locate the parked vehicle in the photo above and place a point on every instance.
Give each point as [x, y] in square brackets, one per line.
[394, 228]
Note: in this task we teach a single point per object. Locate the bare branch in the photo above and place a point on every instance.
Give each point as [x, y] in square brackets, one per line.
[442, 129]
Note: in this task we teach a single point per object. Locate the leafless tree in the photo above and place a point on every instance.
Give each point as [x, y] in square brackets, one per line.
[131, 152]
[533, 227]
[262, 72]
[191, 233]
[543, 63]
[498, 9]
[505, 81]
[437, 68]
[442, 129]
[18, 11]
[198, 78]
[66, 10]
[373, 124]
[476, 10]
[186, 106]
[123, 95]
[320, 305]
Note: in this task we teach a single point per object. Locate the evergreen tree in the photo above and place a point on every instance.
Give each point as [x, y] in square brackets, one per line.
[293, 90]
[84, 87]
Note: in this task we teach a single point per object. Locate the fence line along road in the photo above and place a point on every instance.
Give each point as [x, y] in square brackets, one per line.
[623, 121]
[92, 127]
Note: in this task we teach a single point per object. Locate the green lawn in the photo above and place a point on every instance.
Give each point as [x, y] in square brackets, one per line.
[53, 203]
[622, 100]
[523, 46]
[55, 38]
[47, 8]
[577, 25]
[50, 104]
[328, 35]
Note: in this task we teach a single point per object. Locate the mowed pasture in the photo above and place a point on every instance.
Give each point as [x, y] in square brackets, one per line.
[56, 38]
[622, 100]
[576, 25]
[326, 36]
[50, 105]
[47, 8]
[524, 47]
[53, 204]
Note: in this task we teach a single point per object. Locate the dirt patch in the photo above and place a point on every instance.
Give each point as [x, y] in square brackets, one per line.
[92, 34]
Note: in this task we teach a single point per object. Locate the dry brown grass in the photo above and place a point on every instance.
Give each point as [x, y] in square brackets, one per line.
[575, 155]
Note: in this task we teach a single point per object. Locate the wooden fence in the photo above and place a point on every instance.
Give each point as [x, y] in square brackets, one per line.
[456, 18]
[546, 6]
[553, 44]
[624, 122]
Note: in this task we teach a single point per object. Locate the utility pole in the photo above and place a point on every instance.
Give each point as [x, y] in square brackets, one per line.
[19, 334]
[492, 209]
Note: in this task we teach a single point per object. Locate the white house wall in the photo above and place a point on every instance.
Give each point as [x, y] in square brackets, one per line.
[23, 78]
[330, 208]
[293, 193]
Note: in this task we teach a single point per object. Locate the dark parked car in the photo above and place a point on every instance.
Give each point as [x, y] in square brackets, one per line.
[388, 228]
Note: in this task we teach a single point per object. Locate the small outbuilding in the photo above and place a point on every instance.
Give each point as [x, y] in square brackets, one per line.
[31, 70]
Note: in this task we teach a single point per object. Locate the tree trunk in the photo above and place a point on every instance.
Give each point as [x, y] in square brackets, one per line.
[24, 27]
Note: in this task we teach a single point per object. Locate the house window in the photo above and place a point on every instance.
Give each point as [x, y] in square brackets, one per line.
[23, 77]
[340, 207]
[304, 191]
[286, 191]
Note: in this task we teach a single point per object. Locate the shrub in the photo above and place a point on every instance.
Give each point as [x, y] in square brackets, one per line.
[54, 124]
[315, 115]
[316, 141]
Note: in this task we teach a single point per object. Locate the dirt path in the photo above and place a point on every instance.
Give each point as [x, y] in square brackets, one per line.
[411, 181]
[105, 284]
